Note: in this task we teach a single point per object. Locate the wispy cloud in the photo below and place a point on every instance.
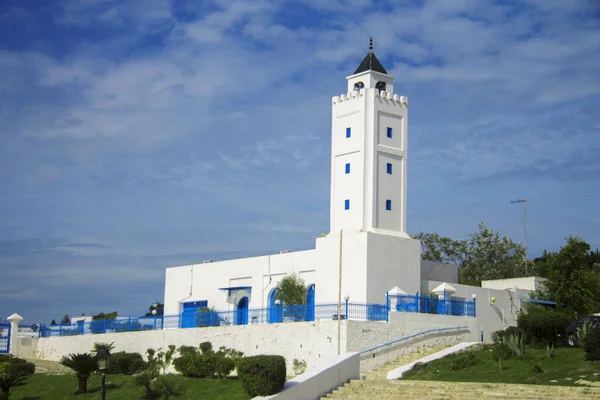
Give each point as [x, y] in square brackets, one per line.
[137, 135]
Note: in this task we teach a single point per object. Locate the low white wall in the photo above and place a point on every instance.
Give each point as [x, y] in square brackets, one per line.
[318, 381]
[372, 360]
[25, 347]
[308, 341]
[496, 309]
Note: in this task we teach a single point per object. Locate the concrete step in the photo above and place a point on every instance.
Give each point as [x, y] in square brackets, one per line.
[381, 372]
[407, 390]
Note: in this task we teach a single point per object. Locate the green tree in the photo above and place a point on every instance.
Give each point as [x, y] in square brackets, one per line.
[101, 316]
[482, 255]
[489, 256]
[65, 320]
[571, 276]
[441, 249]
[291, 290]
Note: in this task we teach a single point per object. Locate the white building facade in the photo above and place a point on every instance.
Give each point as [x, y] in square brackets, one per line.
[368, 208]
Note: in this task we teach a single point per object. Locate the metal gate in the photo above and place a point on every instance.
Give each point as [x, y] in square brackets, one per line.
[4, 338]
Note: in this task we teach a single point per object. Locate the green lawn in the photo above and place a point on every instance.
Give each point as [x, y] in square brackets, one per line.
[566, 367]
[59, 387]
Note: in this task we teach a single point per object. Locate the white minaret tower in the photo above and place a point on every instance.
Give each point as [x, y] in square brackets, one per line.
[368, 153]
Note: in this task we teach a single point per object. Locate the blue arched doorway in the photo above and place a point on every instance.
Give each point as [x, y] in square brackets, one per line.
[242, 312]
[274, 310]
[310, 303]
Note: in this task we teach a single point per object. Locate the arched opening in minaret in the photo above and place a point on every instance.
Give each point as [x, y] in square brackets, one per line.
[359, 86]
[380, 85]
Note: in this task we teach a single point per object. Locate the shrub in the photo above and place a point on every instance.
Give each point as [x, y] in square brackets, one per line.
[516, 344]
[262, 375]
[192, 364]
[8, 379]
[502, 335]
[299, 366]
[206, 348]
[497, 336]
[126, 363]
[543, 326]
[501, 351]
[584, 330]
[462, 360]
[591, 346]
[418, 366]
[223, 366]
[549, 350]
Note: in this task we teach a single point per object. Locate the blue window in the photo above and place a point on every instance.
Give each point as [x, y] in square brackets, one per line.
[348, 132]
[348, 168]
[389, 132]
[388, 168]
[388, 205]
[346, 204]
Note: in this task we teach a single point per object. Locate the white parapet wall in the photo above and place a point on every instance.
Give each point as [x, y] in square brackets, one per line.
[307, 341]
[318, 381]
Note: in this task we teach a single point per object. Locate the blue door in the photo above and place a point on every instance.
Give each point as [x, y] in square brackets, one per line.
[274, 309]
[190, 309]
[242, 312]
[310, 303]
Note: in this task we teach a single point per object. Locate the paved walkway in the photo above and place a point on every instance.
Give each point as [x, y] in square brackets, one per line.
[49, 367]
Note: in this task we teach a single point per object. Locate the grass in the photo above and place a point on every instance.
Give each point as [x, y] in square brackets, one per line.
[566, 367]
[60, 387]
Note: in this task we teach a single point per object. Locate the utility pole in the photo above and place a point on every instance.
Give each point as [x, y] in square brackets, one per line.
[524, 201]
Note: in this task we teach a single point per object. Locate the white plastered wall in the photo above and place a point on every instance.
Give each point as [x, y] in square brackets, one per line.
[496, 309]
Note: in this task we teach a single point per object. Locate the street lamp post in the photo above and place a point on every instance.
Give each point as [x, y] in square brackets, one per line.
[103, 360]
[524, 201]
[154, 312]
[346, 297]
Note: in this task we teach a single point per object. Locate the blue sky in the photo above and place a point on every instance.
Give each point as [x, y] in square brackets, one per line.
[137, 135]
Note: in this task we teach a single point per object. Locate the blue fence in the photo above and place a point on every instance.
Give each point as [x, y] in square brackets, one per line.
[4, 337]
[432, 305]
[359, 311]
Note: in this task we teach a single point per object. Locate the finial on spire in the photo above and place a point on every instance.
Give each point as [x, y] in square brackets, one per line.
[371, 43]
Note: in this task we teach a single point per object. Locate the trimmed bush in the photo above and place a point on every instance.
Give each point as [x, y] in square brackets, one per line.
[543, 326]
[223, 366]
[126, 363]
[591, 346]
[206, 348]
[262, 375]
[192, 364]
[18, 365]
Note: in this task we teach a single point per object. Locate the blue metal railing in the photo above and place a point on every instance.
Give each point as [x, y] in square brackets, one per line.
[412, 336]
[432, 305]
[282, 313]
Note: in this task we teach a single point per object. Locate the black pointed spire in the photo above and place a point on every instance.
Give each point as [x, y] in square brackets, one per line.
[370, 62]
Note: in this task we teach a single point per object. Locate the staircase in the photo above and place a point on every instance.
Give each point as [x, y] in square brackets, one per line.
[377, 387]
[428, 390]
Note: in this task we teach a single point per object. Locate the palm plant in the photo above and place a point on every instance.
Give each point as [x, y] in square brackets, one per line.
[83, 364]
[8, 379]
[106, 346]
